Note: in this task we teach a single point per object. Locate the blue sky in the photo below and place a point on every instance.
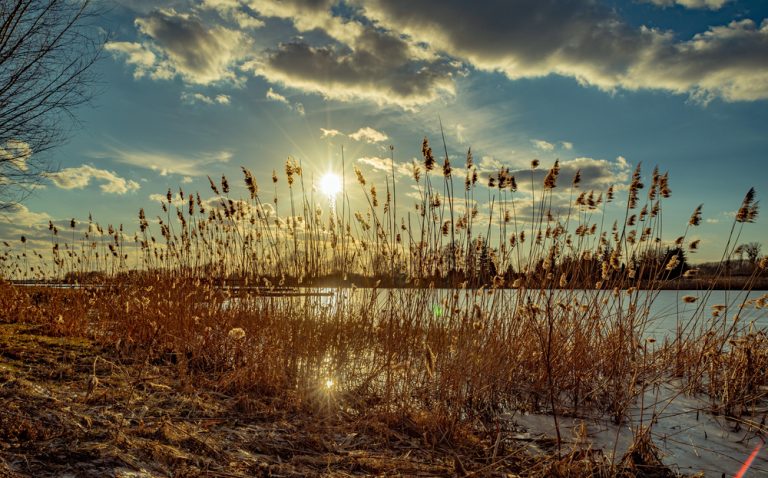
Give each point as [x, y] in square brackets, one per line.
[189, 89]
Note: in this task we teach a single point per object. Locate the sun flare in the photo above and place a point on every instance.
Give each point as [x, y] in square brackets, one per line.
[330, 184]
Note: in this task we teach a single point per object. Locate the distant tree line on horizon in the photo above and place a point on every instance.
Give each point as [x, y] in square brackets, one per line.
[654, 266]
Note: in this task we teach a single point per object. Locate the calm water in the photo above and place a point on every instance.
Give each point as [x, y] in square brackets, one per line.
[667, 311]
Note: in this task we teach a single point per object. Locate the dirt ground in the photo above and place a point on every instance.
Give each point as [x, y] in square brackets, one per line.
[69, 408]
[72, 409]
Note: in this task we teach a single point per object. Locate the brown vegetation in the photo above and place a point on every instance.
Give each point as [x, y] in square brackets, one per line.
[439, 373]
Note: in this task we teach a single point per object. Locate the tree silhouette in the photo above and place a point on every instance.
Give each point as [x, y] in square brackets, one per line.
[752, 250]
[674, 264]
[47, 48]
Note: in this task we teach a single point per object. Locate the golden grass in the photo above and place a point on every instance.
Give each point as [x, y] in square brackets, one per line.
[439, 360]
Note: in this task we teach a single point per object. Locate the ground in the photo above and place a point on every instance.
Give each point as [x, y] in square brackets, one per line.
[72, 408]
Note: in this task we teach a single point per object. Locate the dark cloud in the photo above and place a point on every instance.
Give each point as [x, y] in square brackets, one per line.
[180, 44]
[408, 53]
[382, 73]
[587, 41]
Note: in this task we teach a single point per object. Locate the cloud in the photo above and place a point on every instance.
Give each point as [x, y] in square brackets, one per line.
[180, 44]
[330, 133]
[710, 4]
[19, 215]
[81, 176]
[15, 154]
[192, 98]
[365, 134]
[566, 145]
[362, 61]
[273, 95]
[234, 11]
[369, 135]
[543, 145]
[725, 61]
[596, 174]
[163, 198]
[167, 163]
[395, 52]
[136, 55]
[385, 164]
[587, 41]
[460, 130]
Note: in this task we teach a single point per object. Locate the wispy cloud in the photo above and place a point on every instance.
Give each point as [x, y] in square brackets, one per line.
[708, 4]
[273, 95]
[234, 11]
[385, 164]
[168, 163]
[192, 98]
[364, 134]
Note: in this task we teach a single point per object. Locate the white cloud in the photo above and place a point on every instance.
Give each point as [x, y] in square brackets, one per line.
[196, 98]
[15, 154]
[275, 96]
[385, 165]
[543, 145]
[710, 4]
[489, 164]
[192, 98]
[20, 215]
[175, 199]
[330, 133]
[81, 176]
[369, 135]
[136, 55]
[567, 145]
[233, 10]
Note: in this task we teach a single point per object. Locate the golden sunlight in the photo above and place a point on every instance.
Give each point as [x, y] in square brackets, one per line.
[330, 184]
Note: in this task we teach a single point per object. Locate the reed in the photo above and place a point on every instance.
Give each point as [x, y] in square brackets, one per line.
[535, 306]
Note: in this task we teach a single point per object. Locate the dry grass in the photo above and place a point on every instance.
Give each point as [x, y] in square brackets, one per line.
[434, 368]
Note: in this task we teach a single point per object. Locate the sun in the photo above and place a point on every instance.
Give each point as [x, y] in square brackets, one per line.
[330, 184]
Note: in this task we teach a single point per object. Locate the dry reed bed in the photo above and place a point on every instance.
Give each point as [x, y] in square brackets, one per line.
[460, 357]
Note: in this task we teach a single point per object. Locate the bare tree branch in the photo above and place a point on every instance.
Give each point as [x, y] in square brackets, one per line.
[47, 49]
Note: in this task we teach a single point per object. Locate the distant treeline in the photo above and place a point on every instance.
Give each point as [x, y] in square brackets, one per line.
[669, 270]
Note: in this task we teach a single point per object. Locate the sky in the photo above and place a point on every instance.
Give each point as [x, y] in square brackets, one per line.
[189, 89]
